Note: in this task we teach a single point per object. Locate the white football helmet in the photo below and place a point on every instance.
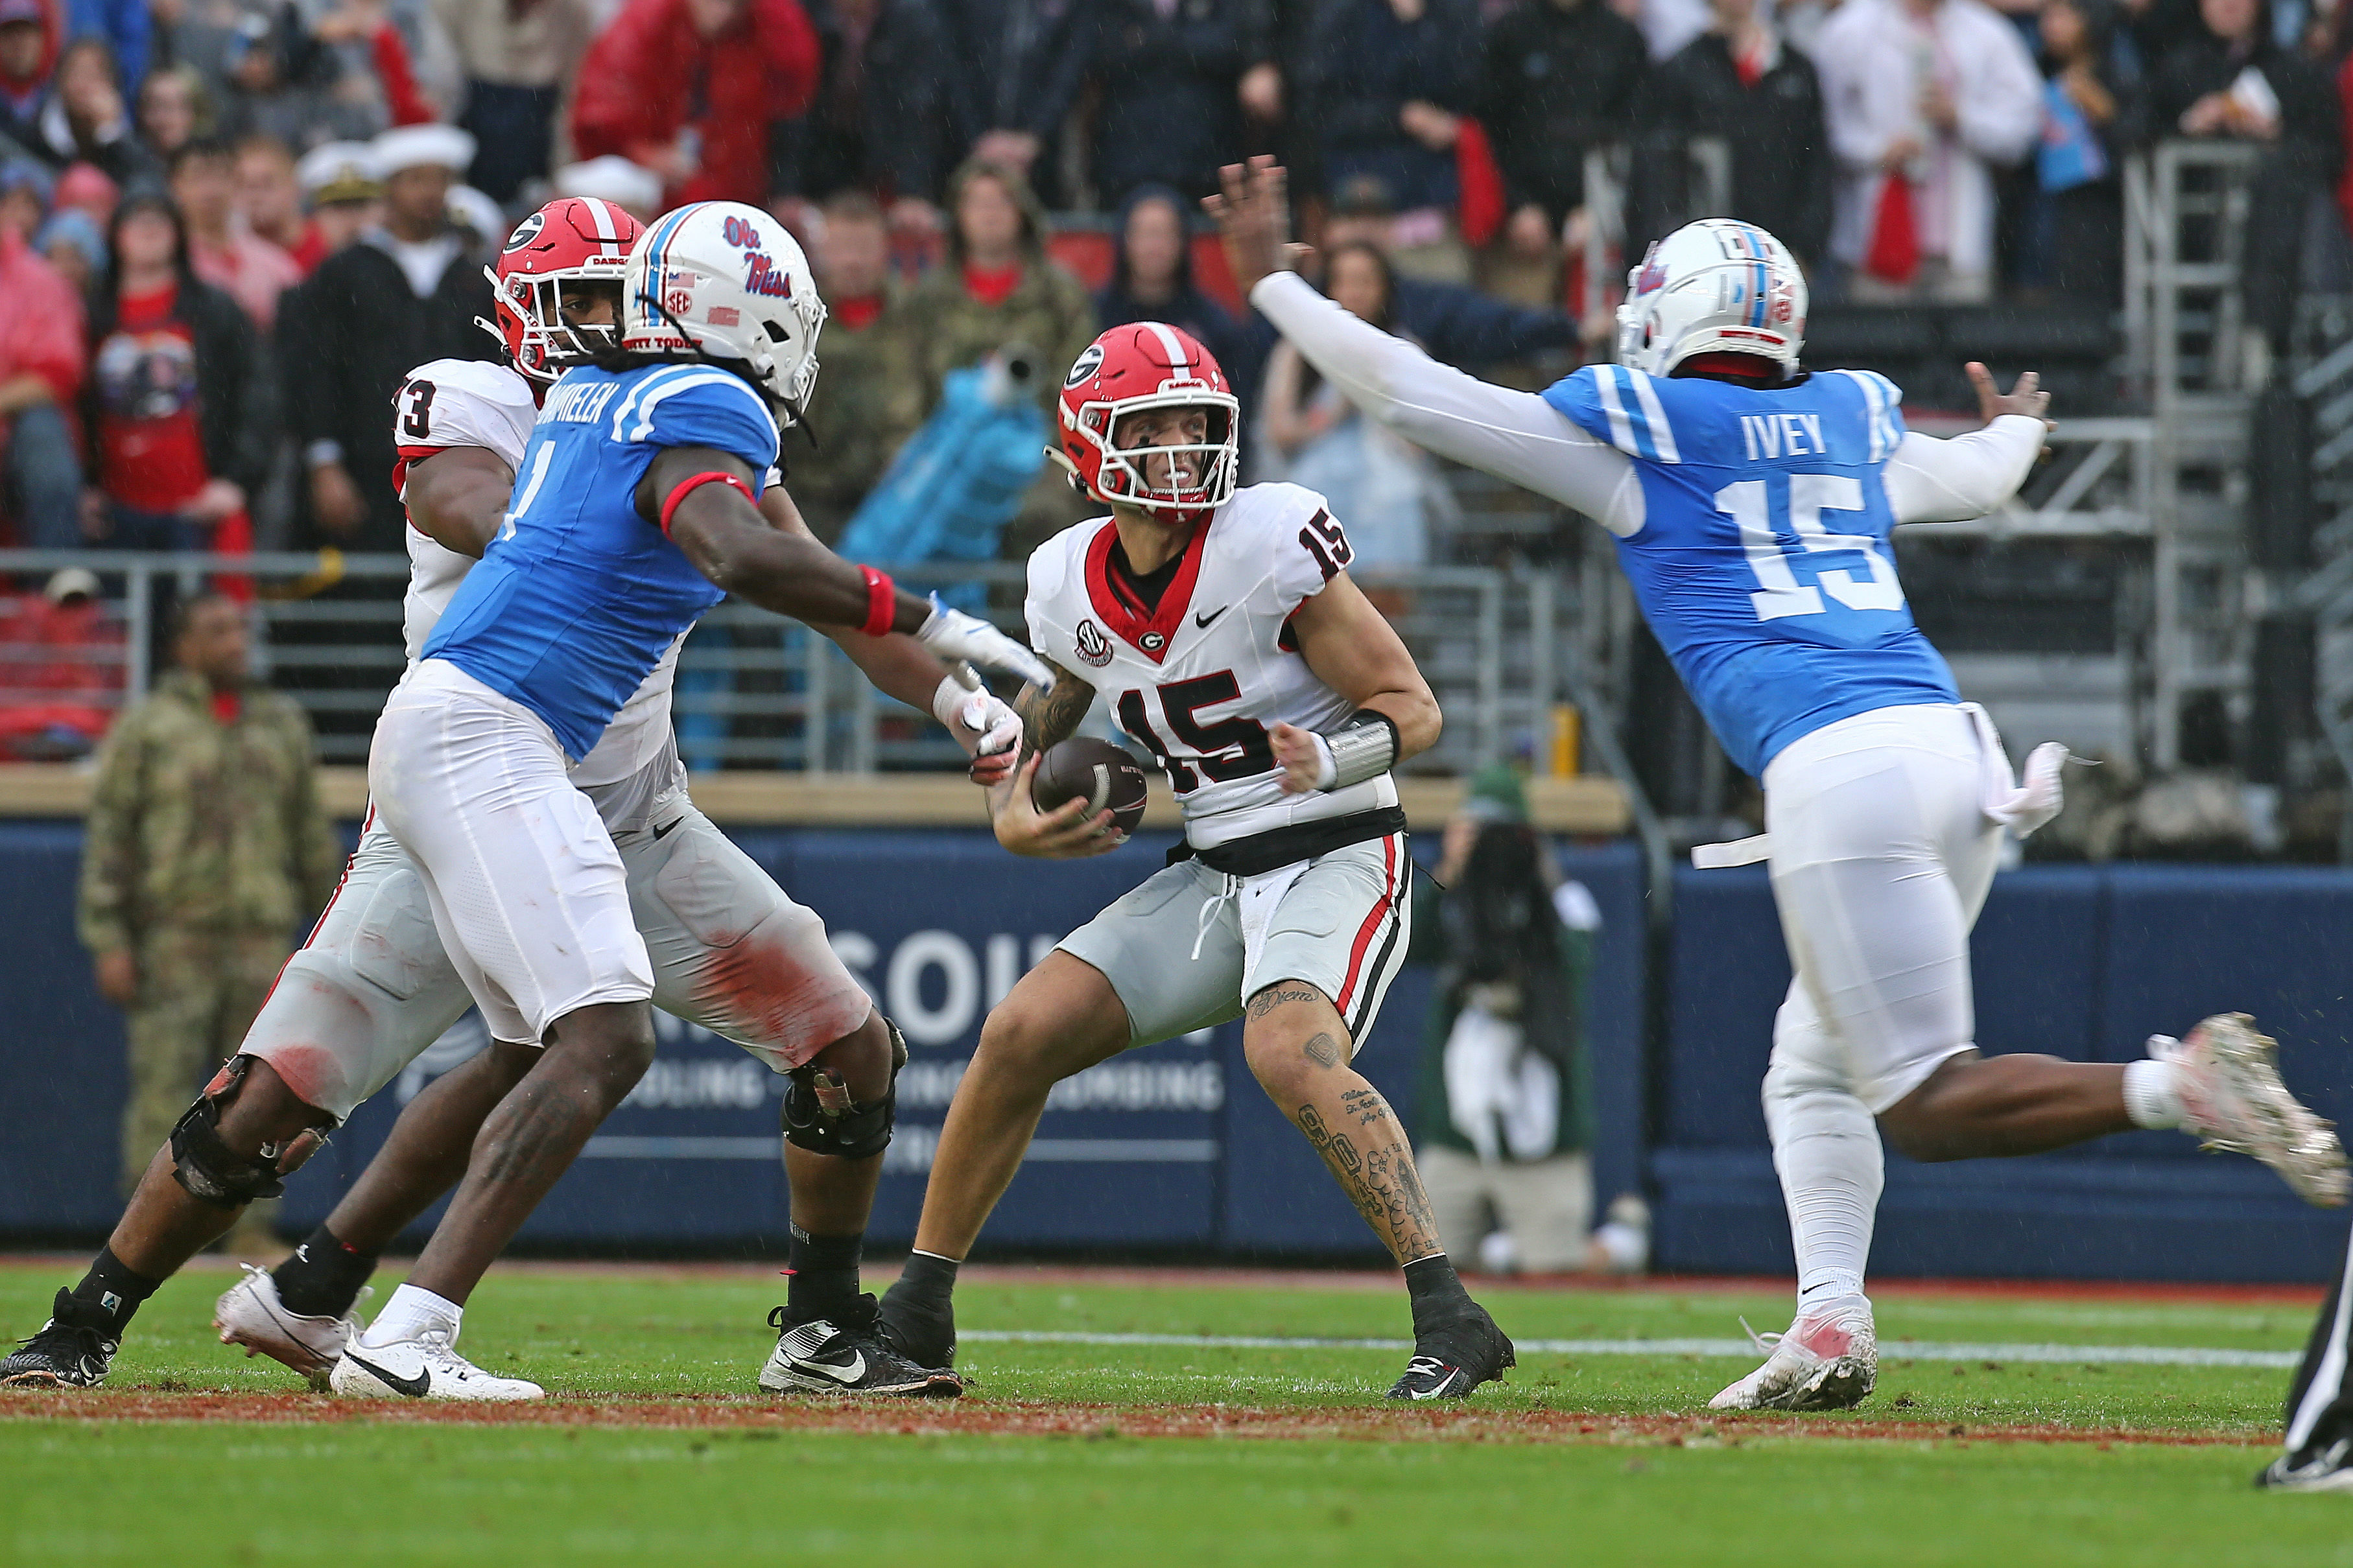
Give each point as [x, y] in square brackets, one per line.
[725, 281]
[1717, 286]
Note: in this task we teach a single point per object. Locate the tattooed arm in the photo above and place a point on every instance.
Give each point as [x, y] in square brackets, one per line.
[1066, 832]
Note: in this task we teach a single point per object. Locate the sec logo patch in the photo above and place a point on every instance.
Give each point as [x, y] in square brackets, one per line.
[1094, 649]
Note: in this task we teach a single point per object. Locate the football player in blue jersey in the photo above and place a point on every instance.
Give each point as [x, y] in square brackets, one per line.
[1752, 500]
[635, 510]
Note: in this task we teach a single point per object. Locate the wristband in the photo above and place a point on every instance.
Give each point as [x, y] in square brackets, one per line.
[881, 603]
[694, 482]
[1364, 747]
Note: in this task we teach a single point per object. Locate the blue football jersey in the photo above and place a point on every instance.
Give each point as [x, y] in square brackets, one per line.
[579, 596]
[1763, 561]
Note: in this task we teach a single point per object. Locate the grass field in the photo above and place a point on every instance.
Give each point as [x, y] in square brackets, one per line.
[1125, 1427]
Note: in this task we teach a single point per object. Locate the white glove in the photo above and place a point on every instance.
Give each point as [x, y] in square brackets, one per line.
[953, 635]
[972, 712]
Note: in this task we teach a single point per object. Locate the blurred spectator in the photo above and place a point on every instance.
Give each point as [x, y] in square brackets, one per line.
[471, 210]
[996, 290]
[1388, 78]
[172, 111]
[407, 292]
[1668, 25]
[127, 30]
[73, 243]
[385, 51]
[868, 408]
[223, 252]
[1924, 98]
[31, 34]
[1506, 1114]
[1152, 281]
[88, 190]
[1740, 82]
[827, 149]
[41, 367]
[339, 184]
[956, 79]
[267, 200]
[1457, 324]
[205, 843]
[84, 121]
[278, 81]
[180, 414]
[2228, 78]
[1385, 490]
[2092, 117]
[61, 665]
[1166, 83]
[1560, 77]
[517, 59]
[693, 88]
[635, 189]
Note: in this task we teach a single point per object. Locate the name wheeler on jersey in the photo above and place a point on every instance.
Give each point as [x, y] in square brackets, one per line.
[1763, 563]
[578, 597]
[1199, 679]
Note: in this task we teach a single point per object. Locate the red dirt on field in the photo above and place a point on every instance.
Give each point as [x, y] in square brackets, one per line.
[983, 1417]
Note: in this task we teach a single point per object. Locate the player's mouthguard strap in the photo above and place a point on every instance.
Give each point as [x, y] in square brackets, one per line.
[881, 603]
[1364, 747]
[694, 482]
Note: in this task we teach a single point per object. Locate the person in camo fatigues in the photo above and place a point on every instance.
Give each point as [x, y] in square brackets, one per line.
[870, 405]
[206, 844]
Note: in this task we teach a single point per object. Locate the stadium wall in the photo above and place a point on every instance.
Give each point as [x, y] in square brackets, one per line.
[1173, 1149]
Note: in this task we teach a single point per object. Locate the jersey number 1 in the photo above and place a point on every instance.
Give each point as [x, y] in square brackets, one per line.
[1779, 593]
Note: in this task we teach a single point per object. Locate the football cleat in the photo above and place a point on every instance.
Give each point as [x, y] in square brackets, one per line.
[1450, 1360]
[2329, 1469]
[250, 1313]
[425, 1366]
[64, 1354]
[843, 1356]
[923, 1332]
[2232, 1099]
[1829, 1360]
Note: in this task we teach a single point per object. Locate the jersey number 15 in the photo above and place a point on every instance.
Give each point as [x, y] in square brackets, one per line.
[1770, 554]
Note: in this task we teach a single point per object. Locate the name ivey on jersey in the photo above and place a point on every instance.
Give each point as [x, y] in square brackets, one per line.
[1200, 680]
[452, 403]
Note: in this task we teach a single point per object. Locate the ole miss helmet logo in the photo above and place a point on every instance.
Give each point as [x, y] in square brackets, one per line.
[1094, 649]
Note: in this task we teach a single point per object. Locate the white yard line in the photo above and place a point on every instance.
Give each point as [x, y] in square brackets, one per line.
[1729, 1350]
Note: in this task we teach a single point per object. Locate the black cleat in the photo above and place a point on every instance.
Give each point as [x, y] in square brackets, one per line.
[64, 1354]
[2328, 1470]
[846, 1354]
[920, 1329]
[1454, 1358]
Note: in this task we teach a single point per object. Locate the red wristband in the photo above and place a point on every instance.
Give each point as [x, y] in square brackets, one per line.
[694, 482]
[881, 603]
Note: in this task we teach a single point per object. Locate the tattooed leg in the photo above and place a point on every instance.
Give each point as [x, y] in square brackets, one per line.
[1300, 1051]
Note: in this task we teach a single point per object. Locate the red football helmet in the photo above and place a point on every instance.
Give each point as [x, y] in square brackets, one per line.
[1140, 366]
[572, 239]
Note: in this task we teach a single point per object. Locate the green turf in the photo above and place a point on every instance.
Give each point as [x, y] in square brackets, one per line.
[223, 1492]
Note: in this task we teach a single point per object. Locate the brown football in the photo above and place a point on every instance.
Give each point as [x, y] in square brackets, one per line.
[1105, 775]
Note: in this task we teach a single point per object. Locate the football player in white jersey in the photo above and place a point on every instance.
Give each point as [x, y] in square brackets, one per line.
[1752, 501]
[1222, 627]
[373, 986]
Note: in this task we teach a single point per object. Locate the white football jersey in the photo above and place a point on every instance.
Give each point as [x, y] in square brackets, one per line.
[1200, 680]
[473, 403]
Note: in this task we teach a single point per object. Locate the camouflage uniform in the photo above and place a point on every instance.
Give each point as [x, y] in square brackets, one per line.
[944, 328]
[206, 844]
[867, 405]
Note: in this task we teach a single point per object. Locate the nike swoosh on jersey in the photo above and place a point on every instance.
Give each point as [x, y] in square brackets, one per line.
[665, 828]
[414, 1387]
[1201, 620]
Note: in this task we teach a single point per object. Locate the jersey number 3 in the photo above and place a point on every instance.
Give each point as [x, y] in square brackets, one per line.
[417, 418]
[1779, 593]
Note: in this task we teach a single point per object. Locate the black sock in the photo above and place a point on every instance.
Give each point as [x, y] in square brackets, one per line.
[323, 1276]
[928, 1279]
[1437, 1292]
[109, 1294]
[822, 1275]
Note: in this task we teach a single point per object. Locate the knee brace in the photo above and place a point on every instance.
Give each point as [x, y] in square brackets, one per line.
[213, 1173]
[819, 1115]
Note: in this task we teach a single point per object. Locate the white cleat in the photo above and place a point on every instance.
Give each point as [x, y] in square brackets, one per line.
[2232, 1099]
[427, 1366]
[1829, 1360]
[250, 1313]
